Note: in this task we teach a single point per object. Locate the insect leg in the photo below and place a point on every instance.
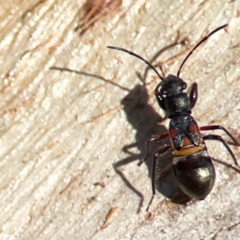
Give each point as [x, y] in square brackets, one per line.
[218, 127]
[219, 138]
[153, 139]
[159, 152]
[193, 96]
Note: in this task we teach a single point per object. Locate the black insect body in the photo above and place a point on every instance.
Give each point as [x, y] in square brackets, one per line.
[192, 166]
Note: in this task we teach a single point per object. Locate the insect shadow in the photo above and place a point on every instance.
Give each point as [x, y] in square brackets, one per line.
[146, 122]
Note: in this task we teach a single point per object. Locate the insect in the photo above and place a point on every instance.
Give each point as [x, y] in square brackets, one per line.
[192, 165]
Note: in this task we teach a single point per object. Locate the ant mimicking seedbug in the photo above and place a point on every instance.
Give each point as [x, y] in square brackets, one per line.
[192, 166]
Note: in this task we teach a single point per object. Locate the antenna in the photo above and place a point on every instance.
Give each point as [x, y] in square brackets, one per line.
[203, 40]
[137, 56]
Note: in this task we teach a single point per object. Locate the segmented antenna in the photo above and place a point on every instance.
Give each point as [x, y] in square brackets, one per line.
[137, 56]
[203, 40]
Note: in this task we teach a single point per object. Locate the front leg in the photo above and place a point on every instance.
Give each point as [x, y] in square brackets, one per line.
[193, 96]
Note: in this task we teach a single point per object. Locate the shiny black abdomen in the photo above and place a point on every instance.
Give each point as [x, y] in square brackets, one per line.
[195, 175]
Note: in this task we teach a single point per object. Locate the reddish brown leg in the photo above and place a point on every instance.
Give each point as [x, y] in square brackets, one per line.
[218, 127]
[219, 138]
[153, 139]
[193, 96]
[159, 152]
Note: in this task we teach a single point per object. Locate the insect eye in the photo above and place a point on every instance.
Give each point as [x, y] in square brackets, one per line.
[163, 92]
[184, 85]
